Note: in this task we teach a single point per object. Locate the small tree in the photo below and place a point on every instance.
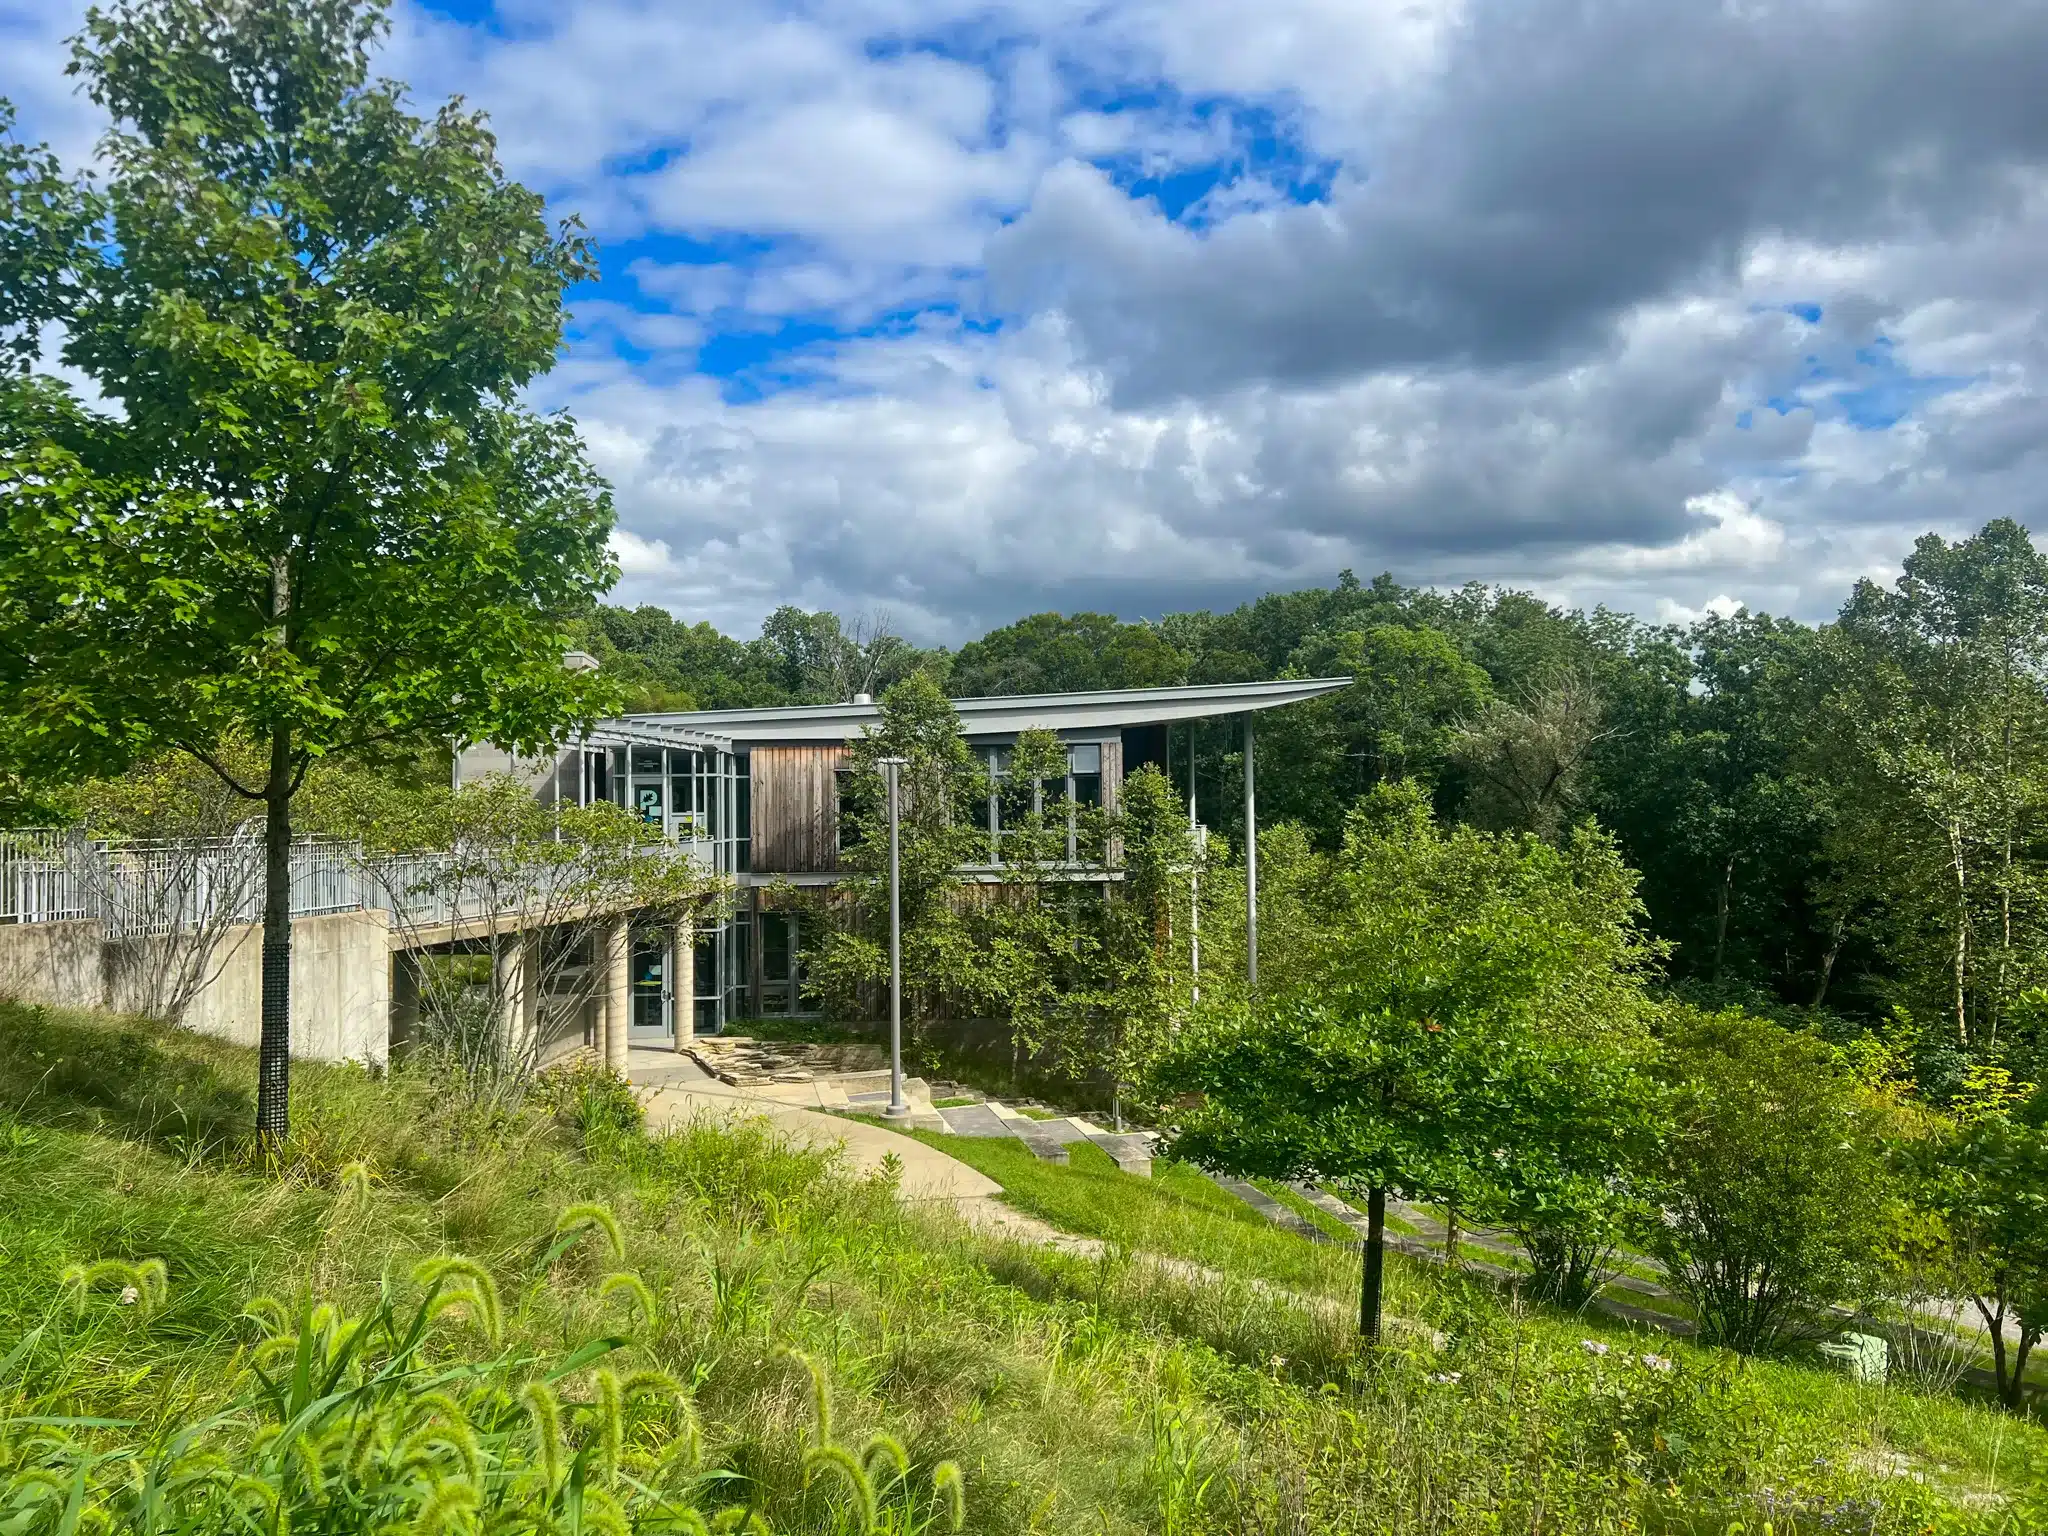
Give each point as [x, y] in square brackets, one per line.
[1986, 1178]
[1427, 1046]
[1145, 993]
[1035, 944]
[1778, 1202]
[1584, 1118]
[943, 800]
[321, 518]
[1345, 1086]
[534, 886]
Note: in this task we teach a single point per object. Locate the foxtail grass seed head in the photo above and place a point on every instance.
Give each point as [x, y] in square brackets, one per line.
[591, 1214]
[838, 1460]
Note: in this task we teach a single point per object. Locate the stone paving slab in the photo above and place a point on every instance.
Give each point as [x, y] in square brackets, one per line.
[1132, 1153]
[1065, 1132]
[1272, 1209]
[1330, 1205]
[975, 1120]
[1036, 1135]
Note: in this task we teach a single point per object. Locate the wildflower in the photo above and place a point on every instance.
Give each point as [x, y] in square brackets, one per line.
[1448, 1378]
[1593, 1346]
[1658, 1363]
[130, 1295]
[1278, 1362]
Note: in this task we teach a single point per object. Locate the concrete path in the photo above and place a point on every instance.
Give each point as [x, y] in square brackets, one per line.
[673, 1097]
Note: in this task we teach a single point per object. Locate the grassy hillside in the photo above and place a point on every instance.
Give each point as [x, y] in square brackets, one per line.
[1112, 1394]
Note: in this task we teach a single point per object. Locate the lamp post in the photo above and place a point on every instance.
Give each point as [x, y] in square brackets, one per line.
[897, 1110]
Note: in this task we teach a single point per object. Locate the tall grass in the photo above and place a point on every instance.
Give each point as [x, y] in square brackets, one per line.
[794, 1307]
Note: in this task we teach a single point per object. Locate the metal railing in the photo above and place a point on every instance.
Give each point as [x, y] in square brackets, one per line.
[188, 885]
[164, 886]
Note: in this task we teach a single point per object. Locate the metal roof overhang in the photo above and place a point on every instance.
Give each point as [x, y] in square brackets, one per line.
[1107, 709]
[639, 731]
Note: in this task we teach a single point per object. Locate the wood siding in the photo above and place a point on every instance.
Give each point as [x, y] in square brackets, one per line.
[1112, 773]
[795, 817]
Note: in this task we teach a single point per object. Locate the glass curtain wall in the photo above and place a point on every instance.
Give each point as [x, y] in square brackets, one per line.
[692, 796]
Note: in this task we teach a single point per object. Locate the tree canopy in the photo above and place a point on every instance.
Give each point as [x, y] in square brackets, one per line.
[313, 510]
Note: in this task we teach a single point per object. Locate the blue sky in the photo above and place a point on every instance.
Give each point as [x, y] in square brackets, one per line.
[959, 311]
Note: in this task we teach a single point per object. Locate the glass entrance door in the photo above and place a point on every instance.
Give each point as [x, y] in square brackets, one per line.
[782, 978]
[652, 1023]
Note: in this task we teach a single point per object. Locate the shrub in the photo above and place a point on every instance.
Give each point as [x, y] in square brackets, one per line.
[1778, 1196]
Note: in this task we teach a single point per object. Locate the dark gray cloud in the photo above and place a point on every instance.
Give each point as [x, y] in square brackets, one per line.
[1573, 159]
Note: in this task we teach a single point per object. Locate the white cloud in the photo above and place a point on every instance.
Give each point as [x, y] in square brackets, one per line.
[641, 558]
[1537, 331]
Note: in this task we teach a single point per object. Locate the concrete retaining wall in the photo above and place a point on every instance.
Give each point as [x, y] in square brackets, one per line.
[341, 980]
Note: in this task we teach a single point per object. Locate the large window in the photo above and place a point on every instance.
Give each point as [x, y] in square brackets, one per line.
[1009, 803]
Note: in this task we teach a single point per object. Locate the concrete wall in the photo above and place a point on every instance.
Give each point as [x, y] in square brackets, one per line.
[341, 980]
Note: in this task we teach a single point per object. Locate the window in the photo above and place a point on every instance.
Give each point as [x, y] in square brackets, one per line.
[1084, 772]
[1009, 802]
[686, 791]
[847, 800]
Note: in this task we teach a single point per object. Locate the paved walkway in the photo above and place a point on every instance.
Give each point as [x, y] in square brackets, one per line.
[677, 1090]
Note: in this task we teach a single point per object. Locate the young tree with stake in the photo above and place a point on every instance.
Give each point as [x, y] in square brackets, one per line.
[320, 516]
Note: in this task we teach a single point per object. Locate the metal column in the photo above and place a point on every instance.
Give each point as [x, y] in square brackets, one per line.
[1251, 865]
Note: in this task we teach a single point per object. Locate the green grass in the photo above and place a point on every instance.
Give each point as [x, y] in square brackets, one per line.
[1176, 1213]
[1106, 1395]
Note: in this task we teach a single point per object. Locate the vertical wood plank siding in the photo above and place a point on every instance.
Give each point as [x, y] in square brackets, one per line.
[795, 809]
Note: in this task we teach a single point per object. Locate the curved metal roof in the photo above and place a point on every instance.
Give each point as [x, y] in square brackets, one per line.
[1005, 715]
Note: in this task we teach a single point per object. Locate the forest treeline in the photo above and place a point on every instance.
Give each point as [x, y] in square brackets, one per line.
[1844, 818]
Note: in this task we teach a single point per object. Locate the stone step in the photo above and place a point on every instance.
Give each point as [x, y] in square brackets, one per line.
[1271, 1209]
[914, 1088]
[975, 1120]
[1330, 1205]
[1065, 1132]
[1039, 1137]
[1132, 1153]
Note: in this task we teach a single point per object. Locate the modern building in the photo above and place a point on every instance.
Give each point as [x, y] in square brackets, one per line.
[756, 795]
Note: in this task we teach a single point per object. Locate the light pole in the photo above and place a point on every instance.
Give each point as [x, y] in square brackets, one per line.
[897, 1110]
[1251, 867]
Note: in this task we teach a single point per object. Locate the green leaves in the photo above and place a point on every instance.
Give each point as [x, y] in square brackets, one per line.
[315, 312]
[1460, 1017]
[1985, 1177]
[1776, 1194]
[389, 1419]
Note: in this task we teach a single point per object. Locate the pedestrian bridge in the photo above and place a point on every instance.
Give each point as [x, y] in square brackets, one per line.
[171, 929]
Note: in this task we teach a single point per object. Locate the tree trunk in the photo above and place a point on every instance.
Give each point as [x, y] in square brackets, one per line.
[2014, 1388]
[1962, 955]
[1827, 961]
[1451, 1233]
[1372, 1281]
[1721, 916]
[274, 1051]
